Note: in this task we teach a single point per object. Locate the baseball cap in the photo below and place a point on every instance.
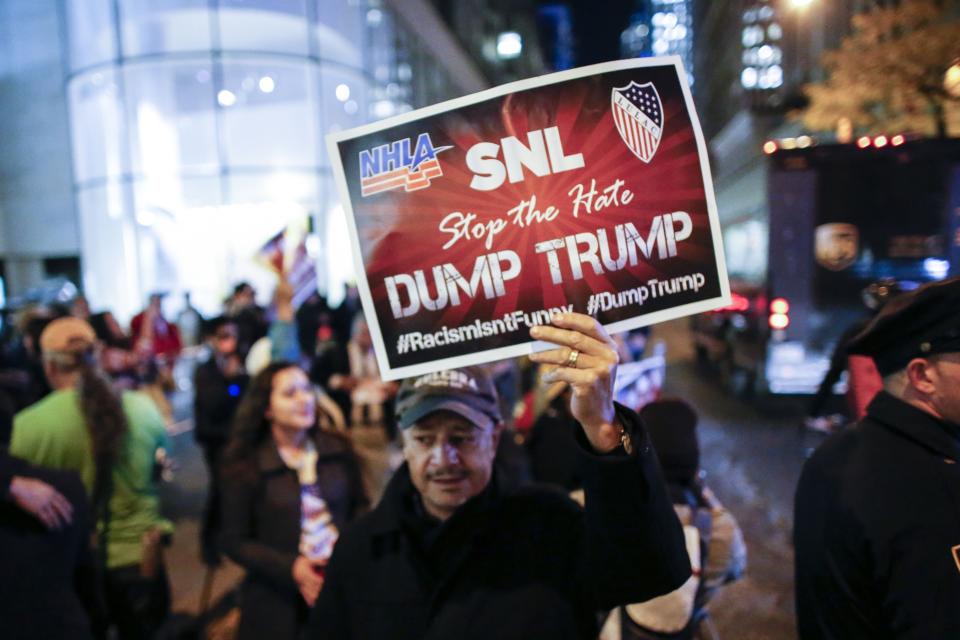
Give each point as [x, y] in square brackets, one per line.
[67, 334]
[468, 392]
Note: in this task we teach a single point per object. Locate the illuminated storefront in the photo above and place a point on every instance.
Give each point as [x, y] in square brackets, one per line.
[197, 132]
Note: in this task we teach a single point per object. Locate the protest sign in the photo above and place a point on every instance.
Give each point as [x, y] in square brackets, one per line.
[475, 219]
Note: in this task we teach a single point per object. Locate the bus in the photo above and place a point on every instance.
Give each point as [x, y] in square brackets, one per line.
[841, 216]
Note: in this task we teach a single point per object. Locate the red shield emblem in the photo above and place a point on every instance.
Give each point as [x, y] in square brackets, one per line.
[638, 114]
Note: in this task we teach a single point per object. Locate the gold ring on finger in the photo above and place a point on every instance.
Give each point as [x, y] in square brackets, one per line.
[572, 358]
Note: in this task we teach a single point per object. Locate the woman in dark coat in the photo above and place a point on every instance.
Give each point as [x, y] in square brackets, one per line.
[288, 489]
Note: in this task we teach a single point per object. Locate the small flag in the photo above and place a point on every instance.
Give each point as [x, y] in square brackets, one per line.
[285, 253]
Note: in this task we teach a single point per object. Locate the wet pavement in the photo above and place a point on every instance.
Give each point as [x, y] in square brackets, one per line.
[752, 460]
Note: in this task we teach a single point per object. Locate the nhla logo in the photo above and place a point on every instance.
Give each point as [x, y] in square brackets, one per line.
[394, 165]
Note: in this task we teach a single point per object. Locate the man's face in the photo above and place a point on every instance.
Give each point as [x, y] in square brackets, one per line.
[946, 378]
[450, 460]
[225, 339]
[246, 297]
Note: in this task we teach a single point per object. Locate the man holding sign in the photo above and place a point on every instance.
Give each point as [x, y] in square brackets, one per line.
[452, 552]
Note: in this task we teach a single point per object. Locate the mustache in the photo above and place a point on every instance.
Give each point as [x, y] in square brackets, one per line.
[448, 473]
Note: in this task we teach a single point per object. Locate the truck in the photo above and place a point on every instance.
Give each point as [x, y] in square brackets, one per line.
[841, 216]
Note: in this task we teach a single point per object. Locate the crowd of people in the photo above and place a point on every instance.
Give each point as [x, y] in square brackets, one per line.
[84, 416]
[526, 502]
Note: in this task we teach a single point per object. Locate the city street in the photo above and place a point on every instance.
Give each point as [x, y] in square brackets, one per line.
[752, 462]
[382, 189]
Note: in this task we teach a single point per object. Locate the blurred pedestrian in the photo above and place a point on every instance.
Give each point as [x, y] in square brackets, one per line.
[450, 552]
[345, 313]
[189, 323]
[250, 317]
[352, 378]
[715, 544]
[23, 360]
[48, 590]
[112, 443]
[877, 515]
[218, 385]
[863, 380]
[288, 488]
[157, 342]
[117, 355]
[311, 315]
[280, 342]
[80, 308]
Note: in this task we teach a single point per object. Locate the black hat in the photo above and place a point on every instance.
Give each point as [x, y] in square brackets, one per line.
[211, 326]
[468, 392]
[917, 324]
[672, 427]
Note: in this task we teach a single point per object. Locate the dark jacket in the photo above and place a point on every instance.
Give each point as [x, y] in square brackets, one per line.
[216, 400]
[553, 447]
[877, 529]
[332, 360]
[252, 324]
[48, 576]
[261, 528]
[510, 563]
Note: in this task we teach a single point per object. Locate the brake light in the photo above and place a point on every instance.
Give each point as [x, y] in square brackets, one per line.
[779, 310]
[779, 321]
[738, 304]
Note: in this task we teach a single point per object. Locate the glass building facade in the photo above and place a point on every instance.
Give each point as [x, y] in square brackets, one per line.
[197, 133]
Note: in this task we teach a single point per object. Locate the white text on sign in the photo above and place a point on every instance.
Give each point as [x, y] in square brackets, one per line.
[543, 154]
[408, 292]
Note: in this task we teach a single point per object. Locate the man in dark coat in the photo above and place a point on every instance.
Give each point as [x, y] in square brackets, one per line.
[453, 552]
[219, 384]
[48, 586]
[877, 522]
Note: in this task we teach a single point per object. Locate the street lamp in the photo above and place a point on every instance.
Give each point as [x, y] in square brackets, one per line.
[800, 9]
[509, 45]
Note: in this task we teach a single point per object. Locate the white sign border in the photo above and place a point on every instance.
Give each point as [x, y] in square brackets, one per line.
[513, 351]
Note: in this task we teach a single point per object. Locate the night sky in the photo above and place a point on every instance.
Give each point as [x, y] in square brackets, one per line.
[597, 25]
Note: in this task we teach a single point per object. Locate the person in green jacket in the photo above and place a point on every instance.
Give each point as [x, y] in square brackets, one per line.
[113, 442]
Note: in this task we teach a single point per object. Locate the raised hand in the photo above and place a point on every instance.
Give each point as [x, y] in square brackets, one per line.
[585, 358]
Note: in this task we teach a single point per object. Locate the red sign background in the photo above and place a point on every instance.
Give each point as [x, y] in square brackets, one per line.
[399, 232]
